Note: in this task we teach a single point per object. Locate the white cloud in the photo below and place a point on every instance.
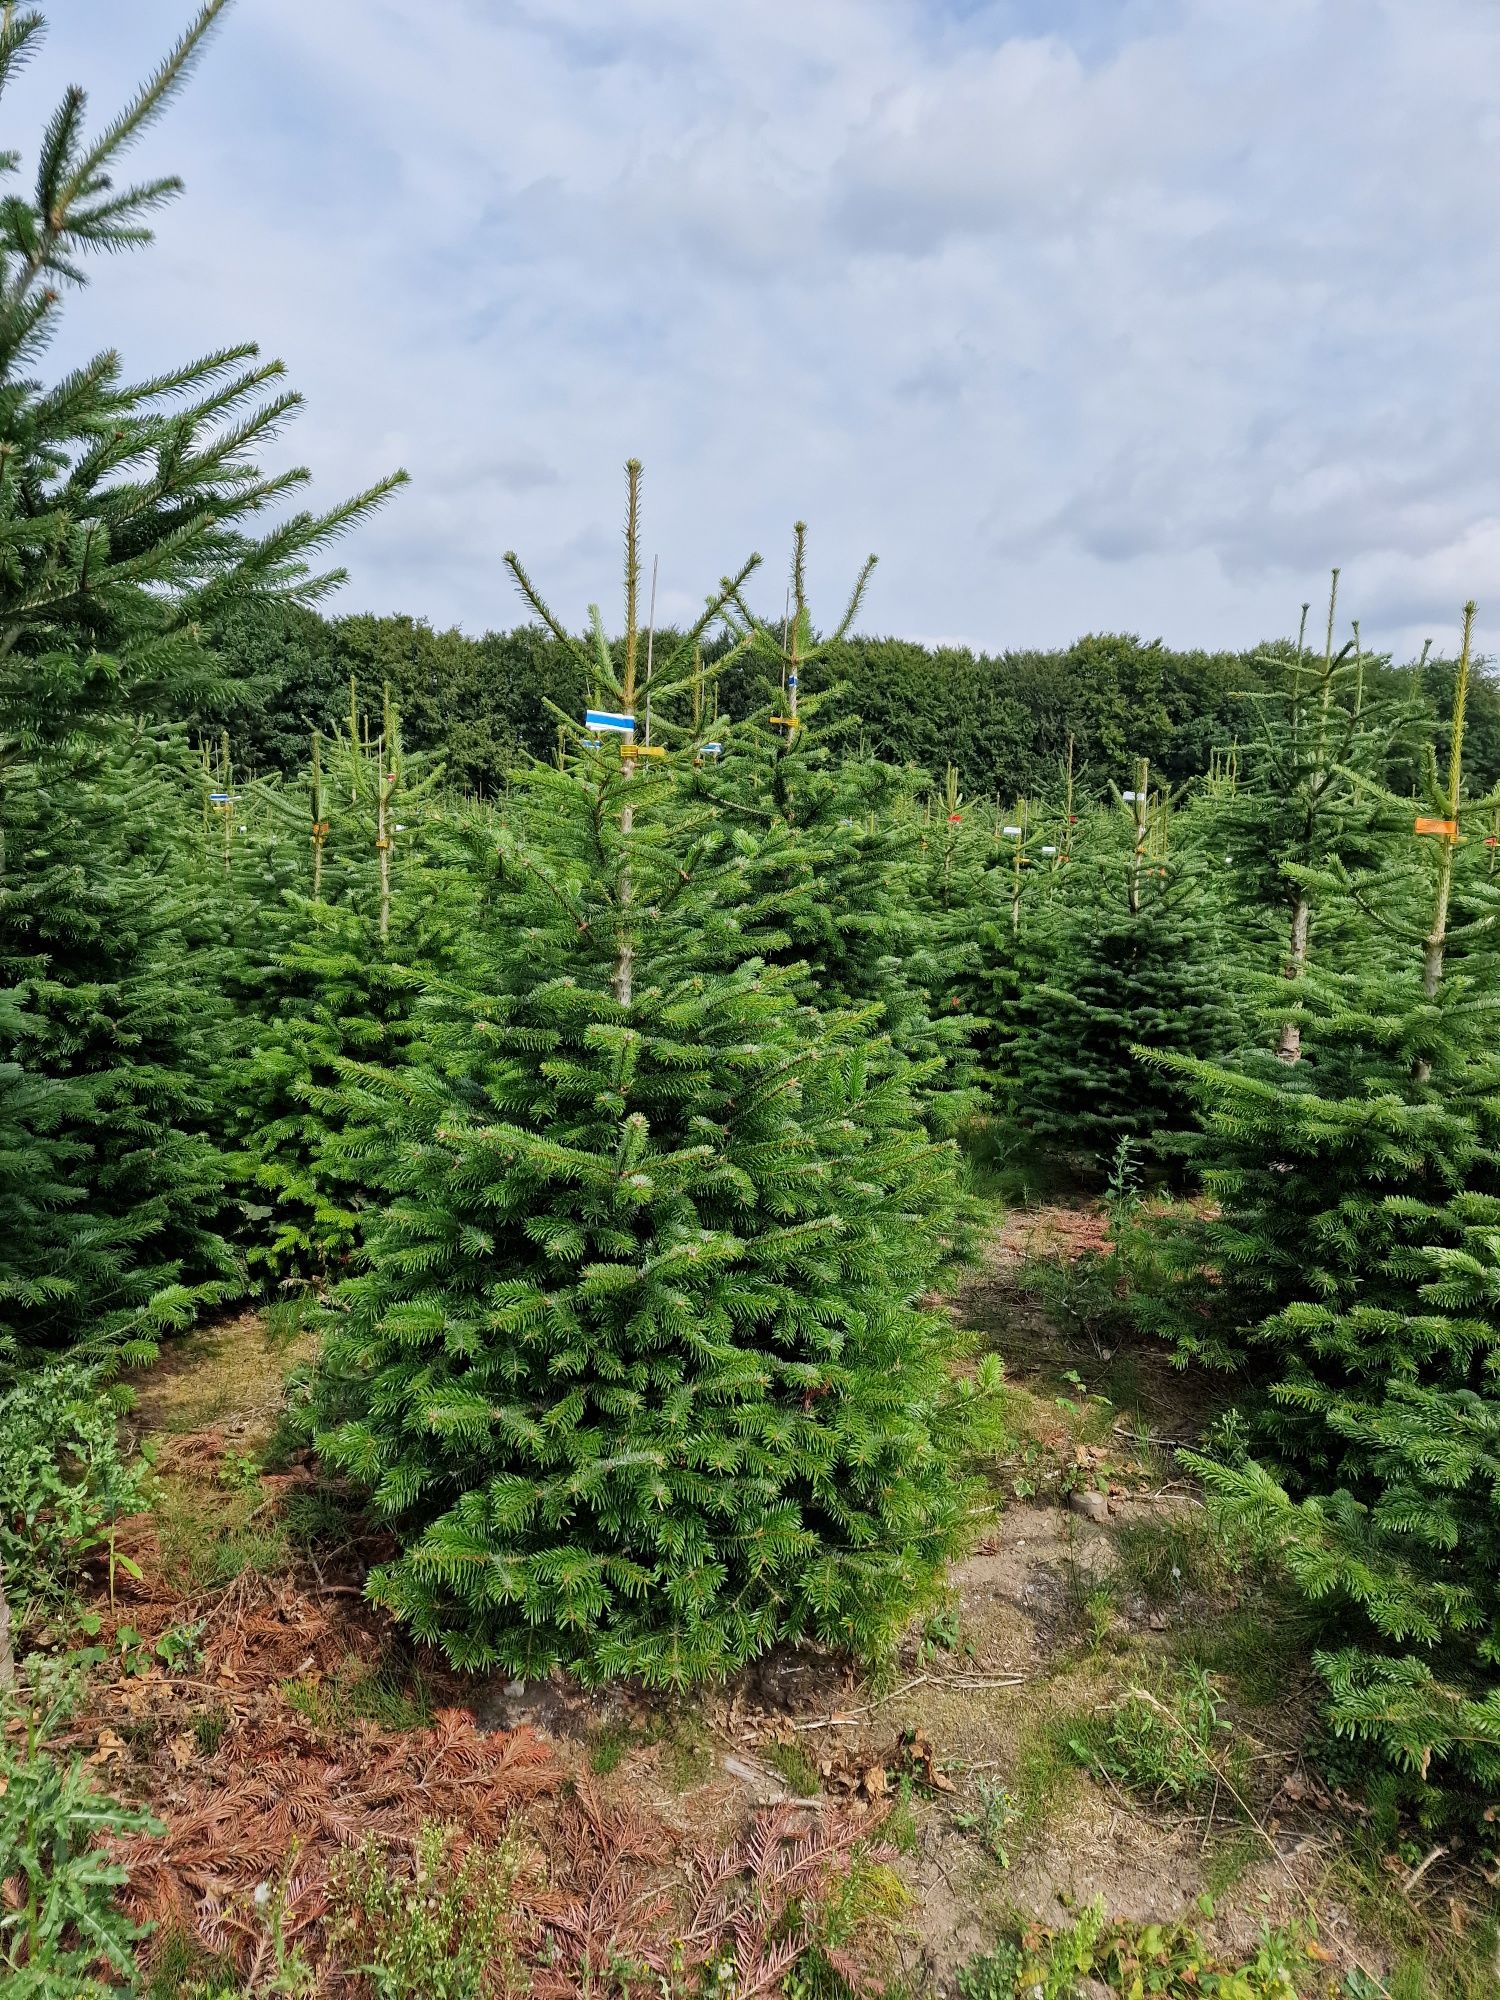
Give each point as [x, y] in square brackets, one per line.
[1088, 315]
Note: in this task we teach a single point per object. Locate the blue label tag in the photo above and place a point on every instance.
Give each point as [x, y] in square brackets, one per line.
[604, 718]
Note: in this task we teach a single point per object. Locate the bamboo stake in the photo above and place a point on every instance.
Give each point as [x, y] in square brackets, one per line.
[320, 824]
[1448, 799]
[624, 976]
[226, 773]
[385, 787]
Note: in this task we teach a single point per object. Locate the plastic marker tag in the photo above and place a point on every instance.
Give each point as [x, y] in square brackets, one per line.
[710, 749]
[1448, 828]
[648, 750]
[221, 798]
[1132, 798]
[1011, 832]
[605, 718]
[787, 721]
[1049, 850]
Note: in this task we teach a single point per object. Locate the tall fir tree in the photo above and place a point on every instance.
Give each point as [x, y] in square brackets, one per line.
[1319, 737]
[1356, 1204]
[635, 1369]
[131, 513]
[332, 962]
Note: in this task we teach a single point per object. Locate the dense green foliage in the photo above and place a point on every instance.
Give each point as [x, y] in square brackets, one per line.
[1003, 720]
[62, 1934]
[633, 1365]
[128, 513]
[1353, 1177]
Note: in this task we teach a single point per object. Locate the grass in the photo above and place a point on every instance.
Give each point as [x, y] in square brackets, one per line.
[383, 1695]
[1259, 1649]
[209, 1536]
[792, 1763]
[900, 1830]
[867, 1907]
[684, 1746]
[179, 1967]
[1172, 1556]
[1165, 1744]
[1433, 1962]
[209, 1727]
[608, 1745]
[1046, 1770]
[1229, 1859]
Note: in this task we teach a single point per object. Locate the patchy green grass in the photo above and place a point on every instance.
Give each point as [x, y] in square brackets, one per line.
[901, 1830]
[209, 1536]
[792, 1763]
[1046, 1772]
[1172, 1556]
[685, 1749]
[386, 1695]
[1171, 1742]
[608, 1745]
[1260, 1649]
[1229, 1859]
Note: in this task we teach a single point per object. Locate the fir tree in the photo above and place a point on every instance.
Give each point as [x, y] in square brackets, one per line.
[1357, 1202]
[634, 1368]
[828, 845]
[340, 957]
[128, 518]
[1135, 951]
[1321, 735]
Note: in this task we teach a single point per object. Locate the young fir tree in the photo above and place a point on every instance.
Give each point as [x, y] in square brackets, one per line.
[1021, 874]
[1320, 736]
[634, 1369]
[130, 513]
[827, 844]
[1360, 1187]
[341, 954]
[1136, 960]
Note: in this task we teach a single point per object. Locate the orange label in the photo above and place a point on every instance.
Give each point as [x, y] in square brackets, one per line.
[1448, 828]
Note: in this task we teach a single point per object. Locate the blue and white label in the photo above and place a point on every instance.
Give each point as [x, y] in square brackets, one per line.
[604, 718]
[710, 749]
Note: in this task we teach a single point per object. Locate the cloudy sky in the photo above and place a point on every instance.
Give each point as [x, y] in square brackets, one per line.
[1083, 314]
